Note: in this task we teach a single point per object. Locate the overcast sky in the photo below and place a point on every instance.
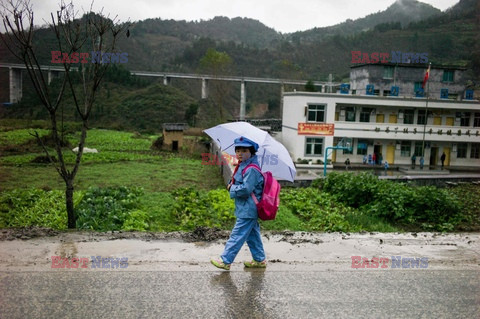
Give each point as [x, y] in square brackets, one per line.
[282, 15]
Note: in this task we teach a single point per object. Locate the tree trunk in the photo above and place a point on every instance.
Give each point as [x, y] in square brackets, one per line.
[72, 220]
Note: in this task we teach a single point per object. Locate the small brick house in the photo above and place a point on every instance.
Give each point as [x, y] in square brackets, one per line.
[173, 136]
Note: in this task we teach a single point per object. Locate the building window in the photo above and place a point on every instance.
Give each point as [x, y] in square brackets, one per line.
[476, 120]
[461, 150]
[365, 114]
[347, 142]
[314, 146]
[316, 113]
[350, 114]
[418, 86]
[362, 147]
[448, 76]
[421, 118]
[418, 148]
[408, 116]
[405, 148]
[475, 151]
[464, 118]
[388, 72]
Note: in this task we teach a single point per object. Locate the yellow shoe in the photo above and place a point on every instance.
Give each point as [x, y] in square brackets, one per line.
[255, 264]
[220, 264]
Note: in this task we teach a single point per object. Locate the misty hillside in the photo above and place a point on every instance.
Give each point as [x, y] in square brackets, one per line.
[449, 38]
[402, 11]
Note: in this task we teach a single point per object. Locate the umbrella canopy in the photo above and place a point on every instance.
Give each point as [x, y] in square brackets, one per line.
[272, 155]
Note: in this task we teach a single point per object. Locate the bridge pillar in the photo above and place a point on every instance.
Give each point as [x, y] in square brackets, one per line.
[166, 80]
[204, 88]
[15, 80]
[243, 99]
[52, 75]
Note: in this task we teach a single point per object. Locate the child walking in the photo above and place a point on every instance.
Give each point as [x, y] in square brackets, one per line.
[247, 228]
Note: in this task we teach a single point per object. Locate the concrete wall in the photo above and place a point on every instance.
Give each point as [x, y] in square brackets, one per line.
[226, 171]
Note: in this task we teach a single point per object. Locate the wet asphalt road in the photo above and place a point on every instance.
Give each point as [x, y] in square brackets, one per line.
[356, 293]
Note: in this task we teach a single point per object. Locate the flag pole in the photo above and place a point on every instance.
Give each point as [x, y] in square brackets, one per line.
[426, 109]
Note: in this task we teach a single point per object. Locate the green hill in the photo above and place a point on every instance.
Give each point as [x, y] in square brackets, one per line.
[451, 37]
[402, 12]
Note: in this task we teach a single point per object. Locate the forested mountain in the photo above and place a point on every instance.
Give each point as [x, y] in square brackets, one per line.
[399, 14]
[451, 37]
[256, 50]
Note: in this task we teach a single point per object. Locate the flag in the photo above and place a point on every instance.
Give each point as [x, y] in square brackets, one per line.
[425, 78]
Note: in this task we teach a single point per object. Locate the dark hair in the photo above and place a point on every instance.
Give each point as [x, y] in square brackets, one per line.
[251, 148]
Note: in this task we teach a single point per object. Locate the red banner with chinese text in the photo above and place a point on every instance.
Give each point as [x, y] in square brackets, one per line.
[323, 129]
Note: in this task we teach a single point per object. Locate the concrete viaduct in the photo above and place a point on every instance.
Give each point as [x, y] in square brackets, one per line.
[15, 81]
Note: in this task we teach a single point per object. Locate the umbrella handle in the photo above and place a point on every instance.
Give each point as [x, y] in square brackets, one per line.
[224, 148]
[263, 158]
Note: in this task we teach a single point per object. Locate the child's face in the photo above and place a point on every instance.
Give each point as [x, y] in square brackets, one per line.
[243, 154]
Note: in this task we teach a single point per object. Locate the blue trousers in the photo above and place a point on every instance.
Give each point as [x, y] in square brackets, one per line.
[246, 229]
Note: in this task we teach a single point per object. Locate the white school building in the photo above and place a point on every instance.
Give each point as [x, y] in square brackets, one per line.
[392, 127]
[384, 111]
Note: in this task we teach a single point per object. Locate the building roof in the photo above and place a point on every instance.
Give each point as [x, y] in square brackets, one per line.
[169, 127]
[411, 65]
[390, 100]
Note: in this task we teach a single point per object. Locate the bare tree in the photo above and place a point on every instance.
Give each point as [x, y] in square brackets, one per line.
[94, 32]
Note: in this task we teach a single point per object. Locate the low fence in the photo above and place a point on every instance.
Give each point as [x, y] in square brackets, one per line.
[435, 180]
[226, 171]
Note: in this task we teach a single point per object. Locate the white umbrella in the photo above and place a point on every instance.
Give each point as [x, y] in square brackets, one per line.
[272, 155]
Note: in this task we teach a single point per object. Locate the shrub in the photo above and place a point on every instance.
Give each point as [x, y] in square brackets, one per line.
[194, 208]
[33, 207]
[428, 206]
[353, 190]
[136, 220]
[108, 208]
[318, 210]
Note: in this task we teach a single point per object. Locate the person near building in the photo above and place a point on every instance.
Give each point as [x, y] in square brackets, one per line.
[442, 159]
[347, 164]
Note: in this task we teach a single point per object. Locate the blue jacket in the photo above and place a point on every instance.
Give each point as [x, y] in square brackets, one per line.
[244, 185]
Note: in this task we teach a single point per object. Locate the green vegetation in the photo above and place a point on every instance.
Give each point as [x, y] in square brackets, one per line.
[425, 207]
[34, 207]
[110, 209]
[162, 191]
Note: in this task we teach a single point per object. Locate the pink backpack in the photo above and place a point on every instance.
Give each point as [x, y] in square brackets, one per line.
[267, 207]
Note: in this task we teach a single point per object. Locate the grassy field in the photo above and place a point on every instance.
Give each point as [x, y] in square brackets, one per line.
[128, 185]
[123, 159]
